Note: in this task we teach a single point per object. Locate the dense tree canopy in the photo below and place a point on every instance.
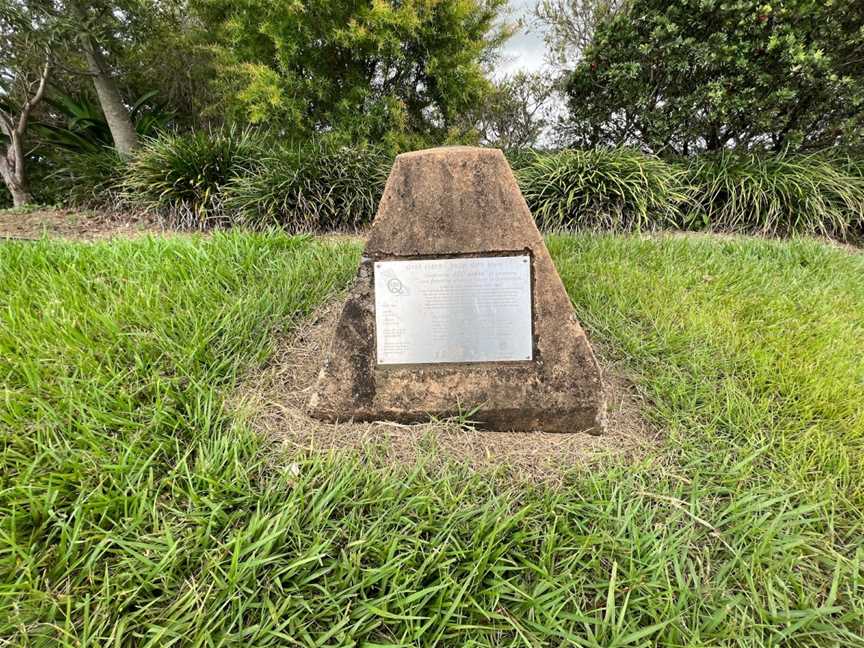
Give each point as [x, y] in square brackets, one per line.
[690, 75]
[146, 47]
[368, 67]
[672, 77]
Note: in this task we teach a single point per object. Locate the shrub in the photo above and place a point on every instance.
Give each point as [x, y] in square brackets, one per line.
[520, 158]
[182, 176]
[317, 186]
[787, 194]
[619, 189]
[90, 178]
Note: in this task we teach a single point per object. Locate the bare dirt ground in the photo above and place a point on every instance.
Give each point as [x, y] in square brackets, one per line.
[274, 400]
[94, 226]
[75, 225]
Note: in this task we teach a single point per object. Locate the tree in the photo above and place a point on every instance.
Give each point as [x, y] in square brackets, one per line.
[95, 21]
[569, 29]
[515, 113]
[692, 75]
[366, 67]
[571, 24]
[13, 160]
[161, 49]
[26, 56]
[136, 48]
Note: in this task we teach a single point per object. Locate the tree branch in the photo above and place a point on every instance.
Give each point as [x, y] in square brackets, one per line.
[34, 101]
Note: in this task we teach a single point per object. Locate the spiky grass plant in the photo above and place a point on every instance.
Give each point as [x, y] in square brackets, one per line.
[182, 175]
[786, 194]
[320, 185]
[618, 189]
[519, 158]
[90, 178]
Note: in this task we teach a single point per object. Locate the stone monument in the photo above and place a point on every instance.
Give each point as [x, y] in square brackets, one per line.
[457, 305]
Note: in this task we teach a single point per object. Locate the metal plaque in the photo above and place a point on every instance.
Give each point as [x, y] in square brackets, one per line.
[453, 310]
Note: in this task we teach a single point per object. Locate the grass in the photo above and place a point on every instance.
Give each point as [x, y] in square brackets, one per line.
[135, 510]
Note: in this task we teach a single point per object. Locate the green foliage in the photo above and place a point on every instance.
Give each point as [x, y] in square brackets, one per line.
[317, 186]
[618, 189]
[90, 178]
[805, 194]
[79, 125]
[236, 177]
[182, 175]
[364, 67]
[519, 158]
[623, 189]
[86, 171]
[690, 75]
[150, 47]
[137, 508]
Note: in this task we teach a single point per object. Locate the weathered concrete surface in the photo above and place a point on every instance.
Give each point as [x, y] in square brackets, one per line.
[461, 201]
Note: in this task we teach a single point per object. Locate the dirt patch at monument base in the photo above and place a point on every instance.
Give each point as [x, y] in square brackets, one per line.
[275, 398]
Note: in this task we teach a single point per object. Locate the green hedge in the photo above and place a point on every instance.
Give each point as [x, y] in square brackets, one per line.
[808, 194]
[230, 177]
[621, 189]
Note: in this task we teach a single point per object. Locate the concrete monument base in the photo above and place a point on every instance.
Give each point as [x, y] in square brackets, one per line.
[456, 203]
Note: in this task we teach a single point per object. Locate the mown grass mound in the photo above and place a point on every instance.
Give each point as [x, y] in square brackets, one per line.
[136, 510]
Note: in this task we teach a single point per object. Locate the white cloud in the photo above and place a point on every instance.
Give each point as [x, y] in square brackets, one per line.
[525, 50]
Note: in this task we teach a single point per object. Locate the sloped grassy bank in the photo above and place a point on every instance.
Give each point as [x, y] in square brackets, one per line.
[135, 511]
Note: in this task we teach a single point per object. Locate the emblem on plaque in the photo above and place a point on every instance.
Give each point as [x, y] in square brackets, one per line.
[394, 284]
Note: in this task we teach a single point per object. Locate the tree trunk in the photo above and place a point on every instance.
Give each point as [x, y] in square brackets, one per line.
[15, 182]
[12, 160]
[122, 131]
[20, 197]
[12, 170]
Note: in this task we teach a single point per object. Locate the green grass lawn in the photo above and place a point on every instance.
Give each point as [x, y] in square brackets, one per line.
[134, 511]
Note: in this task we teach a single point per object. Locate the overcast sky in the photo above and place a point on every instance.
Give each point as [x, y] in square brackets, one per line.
[525, 50]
